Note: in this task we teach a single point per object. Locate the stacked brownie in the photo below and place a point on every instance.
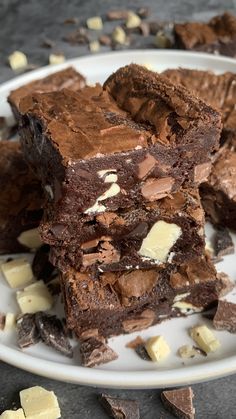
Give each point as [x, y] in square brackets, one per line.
[120, 166]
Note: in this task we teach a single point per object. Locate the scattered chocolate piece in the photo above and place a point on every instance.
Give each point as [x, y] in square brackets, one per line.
[120, 408]
[52, 333]
[77, 37]
[2, 321]
[71, 21]
[144, 28]
[143, 12]
[142, 352]
[42, 268]
[105, 40]
[179, 402]
[199, 350]
[154, 27]
[27, 332]
[225, 317]
[228, 284]
[135, 342]
[117, 14]
[95, 352]
[223, 243]
[47, 43]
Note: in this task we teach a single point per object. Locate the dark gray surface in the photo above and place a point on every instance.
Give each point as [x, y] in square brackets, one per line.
[23, 26]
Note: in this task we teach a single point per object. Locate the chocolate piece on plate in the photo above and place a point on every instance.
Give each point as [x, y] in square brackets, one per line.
[27, 331]
[142, 352]
[216, 36]
[179, 402]
[120, 408]
[225, 317]
[53, 334]
[223, 243]
[135, 342]
[94, 351]
[68, 78]
[2, 320]
[41, 266]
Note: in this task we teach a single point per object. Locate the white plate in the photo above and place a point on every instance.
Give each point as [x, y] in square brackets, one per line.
[128, 371]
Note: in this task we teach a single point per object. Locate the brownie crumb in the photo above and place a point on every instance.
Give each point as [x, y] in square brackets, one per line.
[225, 317]
[94, 351]
[135, 342]
[27, 331]
[53, 334]
[223, 243]
[179, 402]
[120, 408]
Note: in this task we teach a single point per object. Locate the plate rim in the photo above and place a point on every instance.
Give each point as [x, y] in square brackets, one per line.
[114, 378]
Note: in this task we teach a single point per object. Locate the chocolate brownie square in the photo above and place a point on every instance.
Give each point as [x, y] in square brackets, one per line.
[21, 197]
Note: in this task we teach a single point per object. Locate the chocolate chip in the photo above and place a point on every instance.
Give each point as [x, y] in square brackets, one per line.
[179, 402]
[94, 352]
[27, 331]
[225, 317]
[142, 353]
[120, 408]
[52, 333]
[223, 243]
[42, 268]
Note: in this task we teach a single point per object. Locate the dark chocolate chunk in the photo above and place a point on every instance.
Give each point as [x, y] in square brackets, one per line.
[200, 351]
[225, 317]
[179, 402]
[53, 334]
[47, 43]
[2, 321]
[27, 331]
[105, 40]
[223, 243]
[79, 36]
[42, 268]
[71, 21]
[94, 352]
[120, 408]
[142, 353]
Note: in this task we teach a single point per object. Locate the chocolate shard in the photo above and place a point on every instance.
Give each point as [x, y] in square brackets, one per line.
[179, 402]
[42, 268]
[53, 334]
[94, 351]
[120, 408]
[223, 243]
[225, 317]
[27, 331]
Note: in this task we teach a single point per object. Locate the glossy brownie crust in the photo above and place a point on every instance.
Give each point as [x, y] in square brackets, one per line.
[216, 36]
[114, 303]
[68, 78]
[111, 241]
[21, 197]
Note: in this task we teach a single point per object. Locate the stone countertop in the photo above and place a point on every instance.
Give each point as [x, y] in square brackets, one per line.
[24, 26]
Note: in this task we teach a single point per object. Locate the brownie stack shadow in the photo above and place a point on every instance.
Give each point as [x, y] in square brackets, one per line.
[120, 165]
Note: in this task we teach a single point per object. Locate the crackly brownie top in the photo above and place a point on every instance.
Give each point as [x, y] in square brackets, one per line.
[19, 188]
[195, 34]
[68, 78]
[219, 90]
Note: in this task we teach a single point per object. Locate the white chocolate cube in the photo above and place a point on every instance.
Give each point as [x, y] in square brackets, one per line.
[30, 238]
[204, 338]
[17, 272]
[157, 348]
[35, 297]
[39, 403]
[13, 414]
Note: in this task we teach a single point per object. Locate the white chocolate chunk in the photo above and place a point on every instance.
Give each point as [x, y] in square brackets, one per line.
[56, 58]
[17, 272]
[161, 40]
[119, 35]
[186, 308]
[35, 297]
[187, 351]
[204, 338]
[159, 241]
[157, 348]
[10, 322]
[30, 239]
[180, 297]
[95, 23]
[97, 207]
[13, 414]
[94, 46]
[109, 175]
[17, 60]
[133, 20]
[39, 403]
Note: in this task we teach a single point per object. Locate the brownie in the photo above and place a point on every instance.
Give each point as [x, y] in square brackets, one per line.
[111, 303]
[216, 36]
[100, 154]
[21, 197]
[113, 241]
[68, 78]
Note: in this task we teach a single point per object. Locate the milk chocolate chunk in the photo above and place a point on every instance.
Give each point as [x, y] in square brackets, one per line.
[120, 408]
[52, 333]
[154, 189]
[145, 166]
[179, 402]
[225, 317]
[94, 352]
[223, 243]
[201, 172]
[27, 331]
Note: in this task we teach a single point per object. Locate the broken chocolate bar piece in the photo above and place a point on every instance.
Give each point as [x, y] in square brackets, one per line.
[216, 36]
[27, 331]
[225, 317]
[113, 303]
[179, 402]
[21, 198]
[120, 408]
[223, 243]
[68, 78]
[53, 334]
[41, 266]
[94, 351]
